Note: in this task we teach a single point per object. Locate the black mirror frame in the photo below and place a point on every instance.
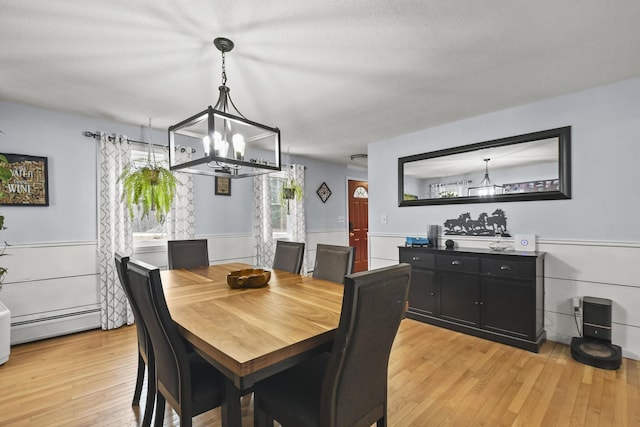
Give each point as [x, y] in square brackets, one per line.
[564, 146]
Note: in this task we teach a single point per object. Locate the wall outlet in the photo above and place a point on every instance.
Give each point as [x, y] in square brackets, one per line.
[576, 303]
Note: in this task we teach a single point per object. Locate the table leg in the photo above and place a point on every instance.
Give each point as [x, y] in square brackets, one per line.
[231, 411]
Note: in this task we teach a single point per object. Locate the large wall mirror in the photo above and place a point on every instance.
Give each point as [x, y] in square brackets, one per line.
[534, 166]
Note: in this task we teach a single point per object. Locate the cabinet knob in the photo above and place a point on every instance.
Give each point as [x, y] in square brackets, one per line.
[476, 302]
[505, 267]
[415, 258]
[456, 262]
[432, 294]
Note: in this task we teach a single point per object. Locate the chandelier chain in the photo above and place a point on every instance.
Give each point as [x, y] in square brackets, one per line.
[224, 71]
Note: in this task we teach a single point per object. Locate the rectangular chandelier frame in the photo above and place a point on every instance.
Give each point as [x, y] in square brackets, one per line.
[189, 134]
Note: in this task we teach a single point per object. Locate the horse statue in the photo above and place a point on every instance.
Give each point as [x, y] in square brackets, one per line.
[478, 225]
[457, 226]
[498, 221]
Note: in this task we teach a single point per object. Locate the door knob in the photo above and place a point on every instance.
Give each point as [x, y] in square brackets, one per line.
[351, 234]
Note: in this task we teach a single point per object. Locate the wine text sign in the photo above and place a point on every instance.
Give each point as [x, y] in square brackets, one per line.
[28, 185]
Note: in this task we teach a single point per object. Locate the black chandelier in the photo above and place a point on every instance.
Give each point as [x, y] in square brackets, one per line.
[221, 140]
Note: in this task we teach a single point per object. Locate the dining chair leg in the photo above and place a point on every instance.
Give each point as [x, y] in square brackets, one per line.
[151, 397]
[159, 409]
[260, 418]
[139, 381]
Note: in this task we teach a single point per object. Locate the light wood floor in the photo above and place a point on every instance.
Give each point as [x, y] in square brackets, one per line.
[437, 377]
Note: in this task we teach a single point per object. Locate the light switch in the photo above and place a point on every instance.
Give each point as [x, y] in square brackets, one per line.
[383, 219]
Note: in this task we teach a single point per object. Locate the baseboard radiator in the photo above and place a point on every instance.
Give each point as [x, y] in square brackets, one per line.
[47, 325]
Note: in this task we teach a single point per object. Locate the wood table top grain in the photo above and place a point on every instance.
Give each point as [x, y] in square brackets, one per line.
[250, 334]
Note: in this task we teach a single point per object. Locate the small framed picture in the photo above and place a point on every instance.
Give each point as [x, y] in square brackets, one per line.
[223, 186]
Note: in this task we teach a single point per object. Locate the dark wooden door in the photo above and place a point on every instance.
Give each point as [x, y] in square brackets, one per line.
[359, 223]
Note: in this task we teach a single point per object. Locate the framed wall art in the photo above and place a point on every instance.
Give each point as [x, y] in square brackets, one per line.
[324, 192]
[223, 186]
[29, 183]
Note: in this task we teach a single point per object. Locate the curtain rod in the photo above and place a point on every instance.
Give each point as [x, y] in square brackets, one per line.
[94, 135]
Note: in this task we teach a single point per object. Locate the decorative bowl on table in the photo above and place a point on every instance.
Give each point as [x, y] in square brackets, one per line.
[248, 278]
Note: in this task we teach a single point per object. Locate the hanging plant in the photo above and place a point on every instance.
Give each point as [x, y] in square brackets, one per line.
[289, 191]
[149, 187]
[5, 176]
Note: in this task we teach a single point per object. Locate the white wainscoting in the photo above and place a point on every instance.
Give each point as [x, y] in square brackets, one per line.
[223, 248]
[572, 268]
[53, 289]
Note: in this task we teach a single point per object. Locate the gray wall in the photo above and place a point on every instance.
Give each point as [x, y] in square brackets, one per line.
[605, 148]
[71, 216]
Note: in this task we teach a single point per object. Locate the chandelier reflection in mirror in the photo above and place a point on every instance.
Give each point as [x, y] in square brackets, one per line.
[486, 188]
[223, 142]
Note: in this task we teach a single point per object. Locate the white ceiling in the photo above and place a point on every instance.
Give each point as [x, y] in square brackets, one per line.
[332, 75]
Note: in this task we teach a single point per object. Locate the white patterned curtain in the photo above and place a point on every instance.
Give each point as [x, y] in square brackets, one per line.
[263, 230]
[297, 222]
[115, 233]
[181, 218]
[296, 218]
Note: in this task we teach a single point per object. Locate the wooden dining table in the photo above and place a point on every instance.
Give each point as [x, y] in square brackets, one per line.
[251, 334]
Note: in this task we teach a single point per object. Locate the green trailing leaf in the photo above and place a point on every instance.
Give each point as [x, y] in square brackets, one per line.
[5, 172]
[148, 187]
[290, 190]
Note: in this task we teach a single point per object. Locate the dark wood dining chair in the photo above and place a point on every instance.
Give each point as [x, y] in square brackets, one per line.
[333, 262]
[289, 256]
[145, 350]
[187, 253]
[347, 387]
[188, 382]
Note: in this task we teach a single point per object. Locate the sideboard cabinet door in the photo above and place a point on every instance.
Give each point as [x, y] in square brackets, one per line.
[460, 298]
[423, 291]
[508, 307]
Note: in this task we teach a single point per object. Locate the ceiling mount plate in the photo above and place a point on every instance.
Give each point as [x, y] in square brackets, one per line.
[223, 44]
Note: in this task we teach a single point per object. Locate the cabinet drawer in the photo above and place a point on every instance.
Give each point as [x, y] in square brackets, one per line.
[418, 259]
[508, 268]
[458, 263]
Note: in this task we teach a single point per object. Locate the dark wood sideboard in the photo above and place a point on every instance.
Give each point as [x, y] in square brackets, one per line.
[493, 295]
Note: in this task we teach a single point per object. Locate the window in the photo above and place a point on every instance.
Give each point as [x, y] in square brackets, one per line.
[279, 219]
[149, 232]
[360, 193]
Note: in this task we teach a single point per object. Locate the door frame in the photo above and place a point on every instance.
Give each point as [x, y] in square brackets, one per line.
[346, 219]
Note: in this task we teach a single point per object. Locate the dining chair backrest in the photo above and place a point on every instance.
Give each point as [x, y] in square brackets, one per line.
[144, 345]
[146, 359]
[171, 359]
[187, 253]
[354, 388]
[289, 256]
[333, 262]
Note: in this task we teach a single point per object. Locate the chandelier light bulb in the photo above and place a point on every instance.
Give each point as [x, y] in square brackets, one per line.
[206, 142]
[238, 146]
